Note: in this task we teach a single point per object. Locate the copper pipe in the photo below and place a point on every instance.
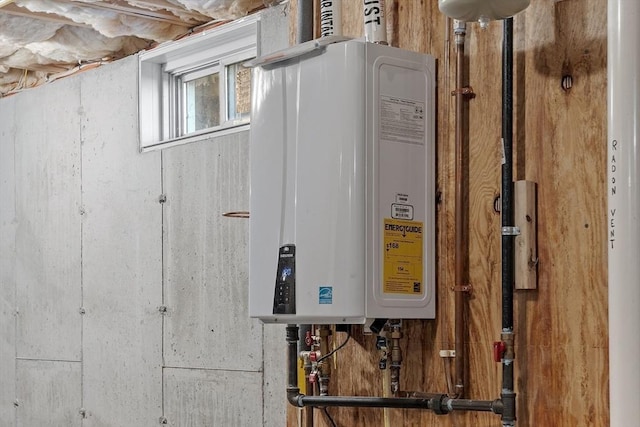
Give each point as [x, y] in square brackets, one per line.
[459, 279]
[325, 365]
[308, 412]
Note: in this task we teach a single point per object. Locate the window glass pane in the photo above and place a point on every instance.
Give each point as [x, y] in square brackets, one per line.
[202, 103]
[238, 91]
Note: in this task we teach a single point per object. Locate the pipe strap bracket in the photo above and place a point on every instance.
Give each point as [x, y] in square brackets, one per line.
[466, 91]
[510, 231]
[463, 288]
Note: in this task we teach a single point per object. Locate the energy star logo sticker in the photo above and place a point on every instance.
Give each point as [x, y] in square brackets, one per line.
[325, 295]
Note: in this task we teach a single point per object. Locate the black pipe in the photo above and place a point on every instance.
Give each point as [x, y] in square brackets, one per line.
[494, 406]
[507, 175]
[292, 359]
[508, 395]
[455, 404]
[438, 403]
[365, 402]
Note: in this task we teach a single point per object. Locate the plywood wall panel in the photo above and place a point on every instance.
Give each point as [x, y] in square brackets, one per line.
[561, 328]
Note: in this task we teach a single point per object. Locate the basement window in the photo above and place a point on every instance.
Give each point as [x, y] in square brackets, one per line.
[196, 88]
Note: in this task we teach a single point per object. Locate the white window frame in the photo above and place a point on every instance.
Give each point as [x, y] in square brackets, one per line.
[161, 72]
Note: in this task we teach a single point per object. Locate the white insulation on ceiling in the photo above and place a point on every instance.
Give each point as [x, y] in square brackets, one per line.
[221, 9]
[109, 23]
[51, 36]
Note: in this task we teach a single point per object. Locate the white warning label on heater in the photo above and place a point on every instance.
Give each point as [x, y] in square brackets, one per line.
[401, 120]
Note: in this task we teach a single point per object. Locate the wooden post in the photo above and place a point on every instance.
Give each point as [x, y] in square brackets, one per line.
[526, 257]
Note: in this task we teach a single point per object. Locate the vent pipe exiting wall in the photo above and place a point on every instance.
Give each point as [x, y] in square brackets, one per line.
[375, 24]
[623, 69]
[330, 18]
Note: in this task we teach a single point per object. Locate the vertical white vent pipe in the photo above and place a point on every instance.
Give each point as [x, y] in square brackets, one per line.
[330, 18]
[623, 69]
[375, 25]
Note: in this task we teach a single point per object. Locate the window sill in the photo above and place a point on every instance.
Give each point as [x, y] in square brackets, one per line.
[195, 137]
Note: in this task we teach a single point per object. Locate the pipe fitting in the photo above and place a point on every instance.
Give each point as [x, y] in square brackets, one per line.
[508, 398]
[439, 404]
[309, 357]
[294, 397]
[395, 380]
[323, 385]
[459, 27]
[459, 31]
[508, 339]
[292, 333]
[396, 355]
[497, 407]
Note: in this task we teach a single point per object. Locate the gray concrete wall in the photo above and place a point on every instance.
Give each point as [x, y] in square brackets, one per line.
[121, 257]
[7, 262]
[89, 259]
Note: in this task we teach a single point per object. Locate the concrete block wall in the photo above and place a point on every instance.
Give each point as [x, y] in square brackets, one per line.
[119, 307]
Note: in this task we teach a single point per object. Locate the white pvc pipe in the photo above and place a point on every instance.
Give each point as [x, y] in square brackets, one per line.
[375, 25]
[623, 157]
[330, 18]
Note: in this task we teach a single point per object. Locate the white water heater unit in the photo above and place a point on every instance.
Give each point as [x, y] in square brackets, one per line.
[342, 224]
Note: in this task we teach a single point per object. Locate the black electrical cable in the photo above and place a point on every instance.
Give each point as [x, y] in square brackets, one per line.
[326, 414]
[326, 356]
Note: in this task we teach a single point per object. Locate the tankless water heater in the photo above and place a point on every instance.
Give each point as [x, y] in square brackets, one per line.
[342, 184]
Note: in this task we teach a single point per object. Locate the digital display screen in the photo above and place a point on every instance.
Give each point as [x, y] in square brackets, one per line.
[286, 272]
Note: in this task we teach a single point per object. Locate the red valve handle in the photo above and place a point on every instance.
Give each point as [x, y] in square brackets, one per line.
[499, 348]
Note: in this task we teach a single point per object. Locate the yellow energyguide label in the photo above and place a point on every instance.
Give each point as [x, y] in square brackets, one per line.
[403, 252]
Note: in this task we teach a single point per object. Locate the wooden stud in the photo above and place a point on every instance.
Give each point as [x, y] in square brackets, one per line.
[526, 256]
